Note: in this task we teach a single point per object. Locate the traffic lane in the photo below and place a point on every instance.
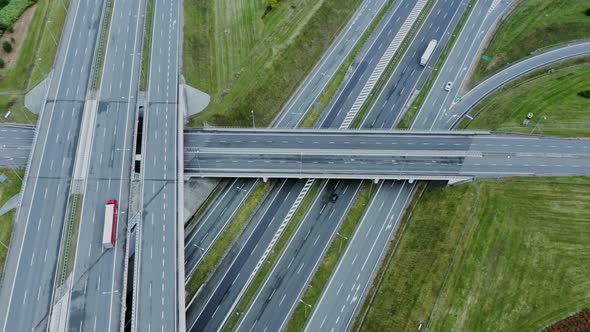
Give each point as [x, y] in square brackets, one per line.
[533, 144]
[387, 109]
[502, 166]
[347, 95]
[242, 280]
[455, 68]
[289, 166]
[282, 288]
[208, 141]
[108, 178]
[341, 297]
[158, 255]
[484, 89]
[44, 278]
[209, 229]
[216, 289]
[297, 107]
[44, 204]
[14, 158]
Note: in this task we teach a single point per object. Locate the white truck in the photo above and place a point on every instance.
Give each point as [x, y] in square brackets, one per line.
[428, 53]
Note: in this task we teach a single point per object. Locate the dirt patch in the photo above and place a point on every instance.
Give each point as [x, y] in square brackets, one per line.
[578, 322]
[19, 34]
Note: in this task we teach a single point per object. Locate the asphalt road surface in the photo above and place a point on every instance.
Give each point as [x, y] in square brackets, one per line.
[157, 287]
[15, 145]
[98, 272]
[341, 299]
[30, 270]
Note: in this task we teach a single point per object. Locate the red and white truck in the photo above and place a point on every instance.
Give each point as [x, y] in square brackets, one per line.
[109, 233]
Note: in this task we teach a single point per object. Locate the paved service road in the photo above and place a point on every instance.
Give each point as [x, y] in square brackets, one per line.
[15, 144]
[98, 272]
[157, 293]
[28, 279]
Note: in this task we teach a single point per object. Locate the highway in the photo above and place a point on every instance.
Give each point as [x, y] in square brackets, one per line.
[345, 292]
[511, 73]
[28, 279]
[310, 90]
[159, 285]
[378, 155]
[282, 289]
[201, 238]
[409, 76]
[15, 144]
[218, 296]
[96, 300]
[293, 114]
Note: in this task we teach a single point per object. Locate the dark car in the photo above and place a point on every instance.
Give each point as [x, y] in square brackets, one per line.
[334, 197]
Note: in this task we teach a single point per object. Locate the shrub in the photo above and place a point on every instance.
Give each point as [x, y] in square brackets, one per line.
[7, 46]
[10, 29]
[588, 12]
[12, 11]
[2, 63]
[584, 94]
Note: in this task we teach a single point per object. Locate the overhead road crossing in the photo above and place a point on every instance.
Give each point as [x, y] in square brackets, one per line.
[380, 155]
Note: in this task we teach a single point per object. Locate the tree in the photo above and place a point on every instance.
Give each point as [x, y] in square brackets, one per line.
[273, 3]
[588, 12]
[7, 46]
[2, 63]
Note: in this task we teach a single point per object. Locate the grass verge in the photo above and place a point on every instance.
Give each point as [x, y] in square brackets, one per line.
[534, 25]
[411, 113]
[226, 239]
[272, 258]
[551, 95]
[392, 66]
[40, 49]
[312, 115]
[470, 252]
[101, 48]
[256, 63]
[34, 61]
[322, 275]
[147, 42]
[70, 243]
[8, 189]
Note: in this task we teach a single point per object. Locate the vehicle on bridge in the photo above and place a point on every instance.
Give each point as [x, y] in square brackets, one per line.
[109, 233]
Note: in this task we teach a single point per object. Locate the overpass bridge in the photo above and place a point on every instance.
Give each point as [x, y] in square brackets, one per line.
[377, 155]
[357, 154]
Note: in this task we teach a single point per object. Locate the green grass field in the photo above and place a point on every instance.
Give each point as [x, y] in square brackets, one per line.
[249, 62]
[8, 189]
[516, 253]
[34, 61]
[552, 98]
[534, 25]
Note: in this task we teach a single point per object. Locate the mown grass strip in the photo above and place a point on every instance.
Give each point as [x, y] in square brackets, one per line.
[226, 239]
[70, 241]
[103, 41]
[202, 208]
[312, 115]
[411, 113]
[272, 258]
[10, 187]
[147, 42]
[392, 66]
[322, 275]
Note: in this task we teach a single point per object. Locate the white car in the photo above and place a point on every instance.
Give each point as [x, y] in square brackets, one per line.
[448, 86]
